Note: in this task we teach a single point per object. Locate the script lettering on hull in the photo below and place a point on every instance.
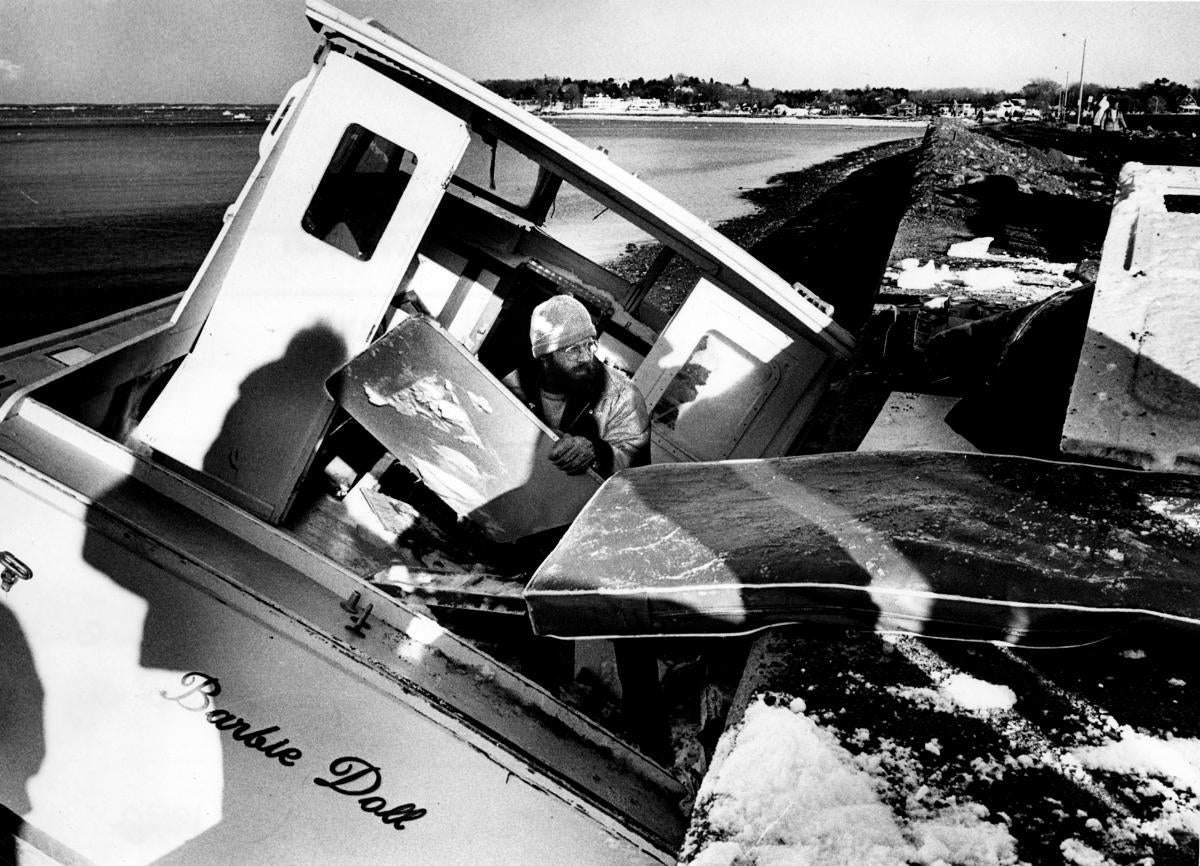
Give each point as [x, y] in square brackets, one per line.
[348, 775]
[355, 778]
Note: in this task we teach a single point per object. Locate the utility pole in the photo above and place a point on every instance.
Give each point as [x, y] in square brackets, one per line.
[1079, 113]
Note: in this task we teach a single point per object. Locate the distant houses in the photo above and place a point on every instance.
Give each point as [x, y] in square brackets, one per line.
[1039, 100]
[1014, 108]
[600, 104]
[627, 105]
[954, 108]
[1011, 109]
[782, 110]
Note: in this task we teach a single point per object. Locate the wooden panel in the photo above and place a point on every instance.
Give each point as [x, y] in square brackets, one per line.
[443, 415]
[247, 406]
[967, 545]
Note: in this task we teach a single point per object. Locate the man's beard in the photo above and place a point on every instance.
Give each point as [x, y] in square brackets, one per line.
[574, 381]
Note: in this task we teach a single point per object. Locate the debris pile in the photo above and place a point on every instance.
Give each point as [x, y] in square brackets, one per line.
[1042, 212]
[955, 155]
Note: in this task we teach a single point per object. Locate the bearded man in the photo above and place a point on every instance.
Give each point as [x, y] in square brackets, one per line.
[599, 412]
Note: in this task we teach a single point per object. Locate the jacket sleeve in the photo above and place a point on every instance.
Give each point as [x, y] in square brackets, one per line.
[624, 426]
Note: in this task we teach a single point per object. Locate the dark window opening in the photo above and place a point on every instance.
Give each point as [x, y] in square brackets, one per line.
[359, 192]
[1182, 203]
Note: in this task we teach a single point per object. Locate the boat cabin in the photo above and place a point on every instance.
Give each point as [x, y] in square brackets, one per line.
[391, 188]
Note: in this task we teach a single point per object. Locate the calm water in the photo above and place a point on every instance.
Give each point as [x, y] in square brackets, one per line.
[57, 175]
[702, 165]
[53, 175]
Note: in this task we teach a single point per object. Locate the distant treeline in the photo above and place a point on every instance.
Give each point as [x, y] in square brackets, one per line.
[1160, 96]
[689, 91]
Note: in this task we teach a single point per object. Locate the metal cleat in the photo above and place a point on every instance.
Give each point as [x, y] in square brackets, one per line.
[12, 570]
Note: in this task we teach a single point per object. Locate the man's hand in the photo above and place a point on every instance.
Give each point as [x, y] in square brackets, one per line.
[572, 454]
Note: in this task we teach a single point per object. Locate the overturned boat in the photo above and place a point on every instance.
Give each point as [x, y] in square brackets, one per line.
[267, 545]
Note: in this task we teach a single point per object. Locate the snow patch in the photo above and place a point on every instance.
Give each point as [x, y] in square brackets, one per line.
[1028, 277]
[1134, 752]
[914, 277]
[976, 248]
[973, 694]
[1079, 853]
[782, 790]
[960, 692]
[960, 835]
[786, 783]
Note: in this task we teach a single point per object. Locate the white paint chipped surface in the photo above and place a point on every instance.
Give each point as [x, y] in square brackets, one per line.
[1136, 396]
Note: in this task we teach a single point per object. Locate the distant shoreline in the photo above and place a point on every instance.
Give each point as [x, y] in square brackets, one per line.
[822, 120]
[258, 116]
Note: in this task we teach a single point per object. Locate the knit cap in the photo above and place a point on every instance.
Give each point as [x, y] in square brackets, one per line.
[557, 323]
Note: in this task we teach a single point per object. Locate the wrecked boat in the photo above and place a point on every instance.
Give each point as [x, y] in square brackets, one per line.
[206, 656]
[267, 545]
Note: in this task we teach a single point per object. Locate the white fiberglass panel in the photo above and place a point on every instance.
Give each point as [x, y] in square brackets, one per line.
[723, 382]
[298, 298]
[150, 717]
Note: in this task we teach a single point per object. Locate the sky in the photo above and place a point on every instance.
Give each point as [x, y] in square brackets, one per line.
[251, 50]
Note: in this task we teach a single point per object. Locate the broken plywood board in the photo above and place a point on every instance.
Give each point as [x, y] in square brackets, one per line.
[967, 545]
[1136, 395]
[474, 444]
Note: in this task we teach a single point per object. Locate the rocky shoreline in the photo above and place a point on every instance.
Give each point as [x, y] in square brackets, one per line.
[786, 201]
[913, 241]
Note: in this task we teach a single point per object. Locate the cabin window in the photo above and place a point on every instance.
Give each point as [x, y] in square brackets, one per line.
[590, 226]
[713, 398]
[494, 169]
[1182, 203]
[359, 192]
